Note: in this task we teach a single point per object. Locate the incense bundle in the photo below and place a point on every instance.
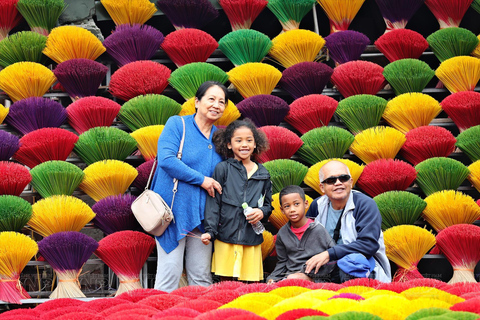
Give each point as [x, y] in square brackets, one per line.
[243, 46]
[340, 14]
[144, 170]
[59, 213]
[22, 46]
[34, 113]
[229, 115]
[463, 108]
[9, 17]
[282, 143]
[125, 252]
[67, 252]
[14, 213]
[284, 172]
[401, 44]
[41, 16]
[264, 109]
[290, 12]
[310, 112]
[107, 178]
[449, 207]
[468, 141]
[152, 75]
[114, 214]
[133, 43]
[397, 13]
[474, 176]
[80, 77]
[147, 140]
[448, 13]
[324, 143]
[188, 78]
[411, 110]
[452, 42]
[129, 11]
[459, 73]
[268, 244]
[188, 14]
[26, 79]
[399, 207]
[296, 46]
[305, 78]
[16, 250]
[185, 46]
[90, 112]
[408, 75]
[71, 42]
[56, 178]
[102, 143]
[13, 178]
[358, 77]
[251, 79]
[45, 144]
[437, 174]
[361, 111]
[377, 143]
[345, 46]
[3, 113]
[242, 13]
[9, 144]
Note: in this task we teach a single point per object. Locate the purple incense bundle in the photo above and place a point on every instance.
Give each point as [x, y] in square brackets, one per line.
[9, 144]
[396, 13]
[35, 113]
[305, 78]
[114, 214]
[132, 43]
[144, 169]
[188, 13]
[66, 252]
[344, 46]
[264, 109]
[80, 77]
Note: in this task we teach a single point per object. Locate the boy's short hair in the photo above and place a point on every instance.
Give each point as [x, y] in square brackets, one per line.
[289, 190]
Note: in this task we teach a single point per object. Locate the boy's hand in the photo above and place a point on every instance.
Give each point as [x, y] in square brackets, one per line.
[255, 216]
[206, 237]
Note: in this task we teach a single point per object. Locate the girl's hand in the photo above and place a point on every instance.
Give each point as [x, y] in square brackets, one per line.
[211, 185]
[255, 216]
[206, 237]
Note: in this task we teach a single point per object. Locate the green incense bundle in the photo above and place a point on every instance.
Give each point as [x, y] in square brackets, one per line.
[246, 45]
[284, 172]
[452, 42]
[103, 143]
[189, 77]
[408, 75]
[14, 213]
[148, 110]
[324, 143]
[399, 207]
[56, 178]
[361, 111]
[290, 12]
[41, 15]
[440, 173]
[22, 46]
[469, 142]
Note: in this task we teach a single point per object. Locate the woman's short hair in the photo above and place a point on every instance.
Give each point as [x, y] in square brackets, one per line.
[207, 85]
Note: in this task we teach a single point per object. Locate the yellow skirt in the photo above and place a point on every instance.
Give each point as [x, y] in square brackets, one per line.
[237, 261]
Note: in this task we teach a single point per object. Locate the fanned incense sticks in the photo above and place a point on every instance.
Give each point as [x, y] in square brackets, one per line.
[41, 16]
[408, 75]
[129, 11]
[360, 112]
[144, 170]
[399, 207]
[459, 73]
[449, 13]
[401, 44]
[9, 144]
[463, 108]
[310, 112]
[358, 77]
[251, 79]
[451, 42]
[284, 172]
[243, 46]
[345, 46]
[264, 109]
[188, 13]
[242, 13]
[341, 13]
[14, 213]
[147, 140]
[468, 141]
[114, 214]
[282, 142]
[290, 12]
[9, 17]
[397, 13]
[56, 178]
[13, 178]
[305, 78]
[22, 46]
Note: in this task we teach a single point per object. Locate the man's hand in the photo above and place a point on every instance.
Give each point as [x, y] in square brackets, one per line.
[271, 281]
[317, 261]
[206, 237]
[255, 216]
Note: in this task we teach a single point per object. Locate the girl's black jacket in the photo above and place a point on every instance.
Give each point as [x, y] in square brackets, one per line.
[224, 218]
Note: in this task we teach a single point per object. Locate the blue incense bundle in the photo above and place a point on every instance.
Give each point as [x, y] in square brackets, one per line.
[348, 45]
[305, 78]
[35, 113]
[264, 109]
[9, 144]
[114, 214]
[132, 43]
[188, 13]
[396, 13]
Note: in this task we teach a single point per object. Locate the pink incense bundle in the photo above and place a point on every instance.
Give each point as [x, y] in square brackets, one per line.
[449, 13]
[401, 44]
[460, 245]
[310, 112]
[463, 108]
[9, 17]
[90, 112]
[427, 142]
[139, 78]
[305, 78]
[384, 175]
[13, 178]
[358, 77]
[185, 46]
[242, 13]
[125, 252]
[282, 142]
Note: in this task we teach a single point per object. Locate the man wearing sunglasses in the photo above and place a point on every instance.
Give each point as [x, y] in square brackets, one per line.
[354, 222]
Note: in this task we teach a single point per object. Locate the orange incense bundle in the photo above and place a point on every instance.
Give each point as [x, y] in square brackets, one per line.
[401, 44]
[310, 112]
[358, 77]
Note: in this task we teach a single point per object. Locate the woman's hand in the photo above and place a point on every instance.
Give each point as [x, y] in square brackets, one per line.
[255, 216]
[211, 185]
[206, 237]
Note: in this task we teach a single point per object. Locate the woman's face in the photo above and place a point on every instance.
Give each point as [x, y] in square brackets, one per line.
[211, 106]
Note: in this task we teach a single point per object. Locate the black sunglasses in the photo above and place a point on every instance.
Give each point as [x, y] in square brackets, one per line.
[332, 180]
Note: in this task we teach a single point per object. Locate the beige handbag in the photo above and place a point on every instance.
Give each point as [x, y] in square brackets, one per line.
[150, 210]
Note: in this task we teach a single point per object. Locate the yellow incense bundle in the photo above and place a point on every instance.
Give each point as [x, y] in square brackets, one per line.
[147, 140]
[129, 11]
[254, 78]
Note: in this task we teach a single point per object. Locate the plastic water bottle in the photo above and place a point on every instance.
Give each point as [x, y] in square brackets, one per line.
[257, 227]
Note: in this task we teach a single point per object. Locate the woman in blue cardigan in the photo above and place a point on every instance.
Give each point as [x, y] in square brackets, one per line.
[194, 173]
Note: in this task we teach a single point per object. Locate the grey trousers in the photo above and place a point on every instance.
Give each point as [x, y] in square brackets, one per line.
[198, 261]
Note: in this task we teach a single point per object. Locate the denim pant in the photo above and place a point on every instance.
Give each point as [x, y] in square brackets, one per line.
[198, 261]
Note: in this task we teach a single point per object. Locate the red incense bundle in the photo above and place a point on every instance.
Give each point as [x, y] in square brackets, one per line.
[449, 13]
[401, 44]
[358, 77]
[310, 112]
[463, 108]
[283, 143]
[242, 13]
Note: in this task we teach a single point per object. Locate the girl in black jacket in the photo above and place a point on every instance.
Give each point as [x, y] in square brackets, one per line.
[238, 251]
